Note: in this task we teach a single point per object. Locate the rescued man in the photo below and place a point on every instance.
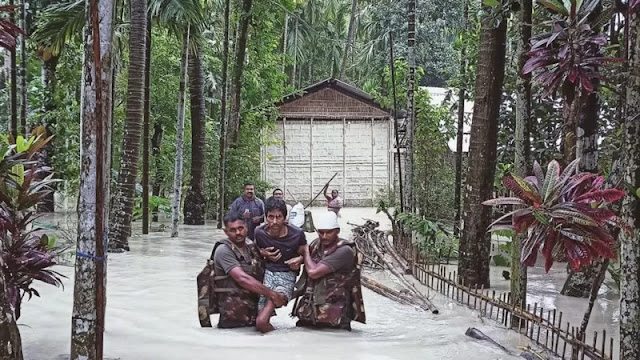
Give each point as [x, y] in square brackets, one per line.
[281, 245]
[279, 194]
[238, 276]
[329, 291]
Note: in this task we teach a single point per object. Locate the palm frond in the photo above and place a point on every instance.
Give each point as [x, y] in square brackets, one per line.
[59, 24]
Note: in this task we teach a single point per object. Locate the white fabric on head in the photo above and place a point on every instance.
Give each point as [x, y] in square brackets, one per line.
[326, 221]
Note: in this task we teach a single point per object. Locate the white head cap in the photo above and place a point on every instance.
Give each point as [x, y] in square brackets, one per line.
[326, 221]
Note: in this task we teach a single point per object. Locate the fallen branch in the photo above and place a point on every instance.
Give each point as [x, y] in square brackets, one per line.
[374, 244]
[392, 294]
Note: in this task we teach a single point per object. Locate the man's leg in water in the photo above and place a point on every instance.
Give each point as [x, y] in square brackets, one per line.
[263, 321]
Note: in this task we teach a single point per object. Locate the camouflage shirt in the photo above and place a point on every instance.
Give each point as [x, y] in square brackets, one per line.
[238, 307]
[335, 299]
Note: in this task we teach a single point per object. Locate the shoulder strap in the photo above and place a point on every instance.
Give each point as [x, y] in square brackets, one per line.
[215, 246]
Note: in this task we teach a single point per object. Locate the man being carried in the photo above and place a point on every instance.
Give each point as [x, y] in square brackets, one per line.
[329, 290]
[238, 277]
[282, 245]
[250, 207]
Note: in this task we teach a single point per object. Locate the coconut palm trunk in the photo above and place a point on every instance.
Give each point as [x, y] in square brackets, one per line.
[145, 131]
[523, 149]
[13, 92]
[24, 98]
[408, 201]
[241, 52]
[158, 179]
[128, 173]
[350, 37]
[177, 176]
[194, 202]
[89, 296]
[475, 242]
[223, 117]
[460, 132]
[630, 249]
[49, 82]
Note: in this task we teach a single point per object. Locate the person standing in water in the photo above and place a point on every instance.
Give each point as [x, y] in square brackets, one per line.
[238, 274]
[334, 202]
[329, 292]
[250, 207]
[281, 245]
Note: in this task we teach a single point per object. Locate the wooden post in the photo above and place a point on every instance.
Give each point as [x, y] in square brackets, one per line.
[284, 153]
[344, 161]
[546, 338]
[535, 309]
[311, 159]
[373, 161]
[541, 318]
[390, 157]
[558, 332]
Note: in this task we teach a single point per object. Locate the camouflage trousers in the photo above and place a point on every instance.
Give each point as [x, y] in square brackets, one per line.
[279, 281]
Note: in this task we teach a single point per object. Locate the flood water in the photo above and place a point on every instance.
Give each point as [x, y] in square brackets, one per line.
[151, 314]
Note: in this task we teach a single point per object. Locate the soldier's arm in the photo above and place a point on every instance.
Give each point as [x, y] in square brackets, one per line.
[341, 258]
[315, 270]
[249, 283]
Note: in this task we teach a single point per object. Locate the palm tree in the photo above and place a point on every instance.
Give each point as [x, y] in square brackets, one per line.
[630, 249]
[120, 229]
[14, 83]
[411, 111]
[522, 153]
[177, 176]
[350, 37]
[89, 289]
[194, 202]
[145, 131]
[56, 25]
[223, 116]
[474, 243]
[241, 51]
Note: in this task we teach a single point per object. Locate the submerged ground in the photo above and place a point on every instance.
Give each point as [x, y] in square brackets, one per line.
[151, 313]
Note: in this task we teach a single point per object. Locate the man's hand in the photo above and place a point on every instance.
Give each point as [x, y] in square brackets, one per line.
[279, 300]
[246, 214]
[295, 263]
[257, 219]
[272, 254]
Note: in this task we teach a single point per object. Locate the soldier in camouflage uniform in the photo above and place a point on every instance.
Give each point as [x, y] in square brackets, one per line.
[329, 293]
[232, 283]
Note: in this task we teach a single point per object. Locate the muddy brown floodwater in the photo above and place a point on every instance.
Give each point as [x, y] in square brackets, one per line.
[151, 314]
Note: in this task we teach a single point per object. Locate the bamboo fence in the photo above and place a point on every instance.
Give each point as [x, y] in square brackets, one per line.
[544, 327]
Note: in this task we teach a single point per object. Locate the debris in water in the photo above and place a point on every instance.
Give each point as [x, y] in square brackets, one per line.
[479, 335]
[374, 245]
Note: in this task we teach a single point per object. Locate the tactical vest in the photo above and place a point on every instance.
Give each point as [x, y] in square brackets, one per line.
[220, 294]
[333, 300]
